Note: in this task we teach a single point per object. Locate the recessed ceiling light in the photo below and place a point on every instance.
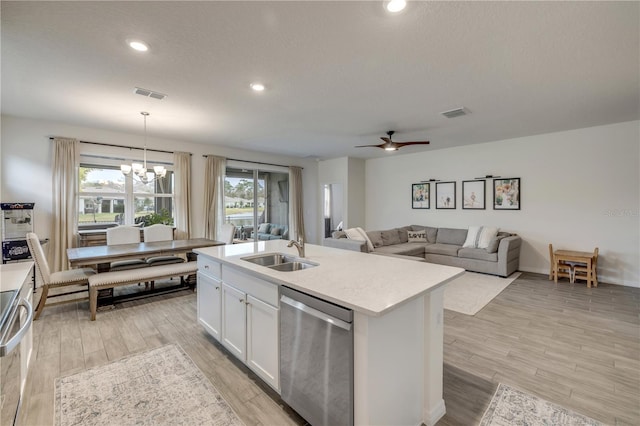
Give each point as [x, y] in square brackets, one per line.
[138, 45]
[395, 6]
[258, 87]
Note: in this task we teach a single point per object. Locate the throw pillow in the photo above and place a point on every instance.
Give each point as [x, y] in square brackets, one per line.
[264, 228]
[390, 237]
[472, 237]
[486, 235]
[366, 238]
[339, 234]
[276, 230]
[417, 236]
[480, 236]
[353, 234]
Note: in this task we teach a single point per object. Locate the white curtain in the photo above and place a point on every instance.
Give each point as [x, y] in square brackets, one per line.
[182, 194]
[296, 220]
[214, 196]
[65, 205]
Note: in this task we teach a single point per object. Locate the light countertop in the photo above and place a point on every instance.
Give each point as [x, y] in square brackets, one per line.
[366, 283]
[13, 275]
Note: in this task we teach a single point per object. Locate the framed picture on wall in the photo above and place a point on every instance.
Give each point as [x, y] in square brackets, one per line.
[420, 196]
[473, 194]
[445, 195]
[506, 194]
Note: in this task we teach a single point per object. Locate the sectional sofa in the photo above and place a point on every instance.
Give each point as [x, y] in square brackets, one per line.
[271, 231]
[439, 245]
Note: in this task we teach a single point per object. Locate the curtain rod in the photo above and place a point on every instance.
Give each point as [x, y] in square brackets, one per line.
[253, 162]
[123, 146]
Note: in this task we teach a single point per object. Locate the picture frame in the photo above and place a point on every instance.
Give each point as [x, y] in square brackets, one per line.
[473, 194]
[445, 195]
[506, 194]
[420, 195]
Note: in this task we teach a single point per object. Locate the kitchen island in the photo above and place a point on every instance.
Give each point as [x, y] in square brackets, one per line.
[397, 320]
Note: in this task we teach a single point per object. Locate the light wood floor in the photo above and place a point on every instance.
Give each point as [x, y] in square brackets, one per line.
[575, 346]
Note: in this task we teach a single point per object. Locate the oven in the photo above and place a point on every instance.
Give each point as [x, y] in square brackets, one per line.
[16, 315]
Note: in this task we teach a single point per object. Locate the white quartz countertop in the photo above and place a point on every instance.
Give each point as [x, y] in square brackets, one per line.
[12, 275]
[367, 283]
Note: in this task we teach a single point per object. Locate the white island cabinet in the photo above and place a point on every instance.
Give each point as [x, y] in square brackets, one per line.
[241, 312]
[397, 321]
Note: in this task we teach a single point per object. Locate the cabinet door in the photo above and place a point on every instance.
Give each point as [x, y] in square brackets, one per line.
[262, 341]
[234, 326]
[209, 309]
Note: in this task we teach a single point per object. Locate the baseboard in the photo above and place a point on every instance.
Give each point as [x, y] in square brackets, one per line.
[435, 414]
[601, 277]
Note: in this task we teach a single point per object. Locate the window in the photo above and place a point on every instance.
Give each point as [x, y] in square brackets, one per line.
[106, 196]
[255, 197]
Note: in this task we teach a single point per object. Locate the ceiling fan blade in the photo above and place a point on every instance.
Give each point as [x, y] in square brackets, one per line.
[367, 146]
[386, 139]
[399, 144]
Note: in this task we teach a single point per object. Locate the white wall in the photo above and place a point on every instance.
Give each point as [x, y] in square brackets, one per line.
[579, 190]
[26, 166]
[348, 173]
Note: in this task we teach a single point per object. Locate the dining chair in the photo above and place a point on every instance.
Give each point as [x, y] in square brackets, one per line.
[160, 232]
[227, 232]
[50, 279]
[581, 271]
[565, 270]
[124, 235]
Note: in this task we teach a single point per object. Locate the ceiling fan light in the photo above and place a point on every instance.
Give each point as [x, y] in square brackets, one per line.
[395, 6]
[138, 45]
[390, 148]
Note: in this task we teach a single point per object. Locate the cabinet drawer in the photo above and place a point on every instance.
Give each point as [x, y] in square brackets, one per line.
[208, 266]
[260, 289]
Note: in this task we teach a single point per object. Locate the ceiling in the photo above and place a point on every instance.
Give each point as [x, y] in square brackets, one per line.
[337, 74]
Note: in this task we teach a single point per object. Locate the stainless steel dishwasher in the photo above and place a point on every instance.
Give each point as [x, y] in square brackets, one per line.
[316, 358]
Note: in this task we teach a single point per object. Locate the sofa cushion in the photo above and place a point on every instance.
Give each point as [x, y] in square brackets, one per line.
[376, 238]
[451, 236]
[495, 243]
[402, 233]
[407, 249]
[276, 231]
[390, 237]
[439, 248]
[353, 234]
[264, 228]
[480, 236]
[477, 253]
[417, 236]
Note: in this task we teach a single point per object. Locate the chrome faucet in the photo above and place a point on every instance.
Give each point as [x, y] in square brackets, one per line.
[299, 245]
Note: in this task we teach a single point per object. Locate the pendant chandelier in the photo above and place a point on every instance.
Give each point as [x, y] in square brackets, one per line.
[140, 169]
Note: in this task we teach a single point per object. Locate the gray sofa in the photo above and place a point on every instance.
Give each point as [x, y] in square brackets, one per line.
[271, 231]
[442, 246]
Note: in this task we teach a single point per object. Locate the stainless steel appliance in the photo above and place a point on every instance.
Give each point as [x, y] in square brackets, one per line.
[13, 326]
[316, 358]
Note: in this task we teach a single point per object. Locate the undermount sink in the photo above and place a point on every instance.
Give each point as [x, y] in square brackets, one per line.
[293, 266]
[280, 262]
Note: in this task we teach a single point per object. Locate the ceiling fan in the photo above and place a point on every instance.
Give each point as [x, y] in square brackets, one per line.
[389, 145]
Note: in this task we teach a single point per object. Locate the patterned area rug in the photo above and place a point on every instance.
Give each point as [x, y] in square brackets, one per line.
[472, 292]
[159, 387]
[511, 406]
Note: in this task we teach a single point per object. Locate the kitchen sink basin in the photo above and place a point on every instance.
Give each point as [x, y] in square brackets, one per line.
[270, 259]
[293, 266]
[280, 262]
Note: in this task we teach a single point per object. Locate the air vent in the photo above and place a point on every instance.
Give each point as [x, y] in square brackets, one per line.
[149, 93]
[458, 112]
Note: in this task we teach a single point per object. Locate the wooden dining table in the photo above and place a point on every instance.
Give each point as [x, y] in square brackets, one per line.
[101, 257]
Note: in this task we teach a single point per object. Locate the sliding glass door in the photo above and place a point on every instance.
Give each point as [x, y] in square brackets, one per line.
[255, 197]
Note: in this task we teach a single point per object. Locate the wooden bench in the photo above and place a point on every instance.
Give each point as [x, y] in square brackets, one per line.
[133, 276]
